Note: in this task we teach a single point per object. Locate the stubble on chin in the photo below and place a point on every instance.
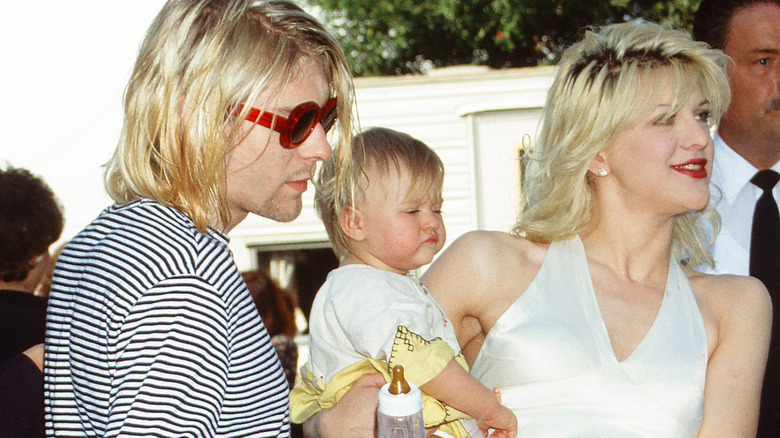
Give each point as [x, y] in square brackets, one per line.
[282, 211]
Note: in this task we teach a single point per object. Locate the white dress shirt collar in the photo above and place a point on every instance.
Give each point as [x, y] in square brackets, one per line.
[733, 172]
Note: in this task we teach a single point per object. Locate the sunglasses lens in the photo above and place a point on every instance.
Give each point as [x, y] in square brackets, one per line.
[303, 126]
[329, 118]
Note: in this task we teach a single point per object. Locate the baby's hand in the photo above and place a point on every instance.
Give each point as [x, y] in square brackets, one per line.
[500, 418]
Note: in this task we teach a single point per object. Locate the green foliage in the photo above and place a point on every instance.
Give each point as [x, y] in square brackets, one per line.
[386, 37]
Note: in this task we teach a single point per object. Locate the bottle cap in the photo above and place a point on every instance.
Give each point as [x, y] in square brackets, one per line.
[400, 405]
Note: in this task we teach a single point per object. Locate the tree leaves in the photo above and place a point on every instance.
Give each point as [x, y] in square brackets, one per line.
[391, 37]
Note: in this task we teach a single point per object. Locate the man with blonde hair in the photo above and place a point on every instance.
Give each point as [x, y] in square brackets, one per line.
[151, 331]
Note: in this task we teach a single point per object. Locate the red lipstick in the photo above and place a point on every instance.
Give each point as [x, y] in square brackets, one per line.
[695, 168]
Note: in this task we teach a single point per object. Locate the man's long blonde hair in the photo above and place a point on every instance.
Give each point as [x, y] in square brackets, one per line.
[199, 59]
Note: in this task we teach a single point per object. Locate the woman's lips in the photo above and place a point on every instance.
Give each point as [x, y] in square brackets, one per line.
[695, 168]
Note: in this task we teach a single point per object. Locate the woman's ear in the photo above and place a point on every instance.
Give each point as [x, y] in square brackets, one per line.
[351, 223]
[598, 165]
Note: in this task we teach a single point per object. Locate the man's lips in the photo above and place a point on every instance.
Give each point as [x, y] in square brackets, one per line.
[299, 186]
[695, 168]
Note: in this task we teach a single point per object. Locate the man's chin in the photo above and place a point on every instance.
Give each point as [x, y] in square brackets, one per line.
[285, 214]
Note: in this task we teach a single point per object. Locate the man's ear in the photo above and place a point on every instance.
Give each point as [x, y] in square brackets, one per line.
[351, 223]
[599, 165]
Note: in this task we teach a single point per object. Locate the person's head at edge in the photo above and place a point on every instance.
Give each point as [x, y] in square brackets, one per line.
[184, 143]
[749, 32]
[607, 83]
[30, 221]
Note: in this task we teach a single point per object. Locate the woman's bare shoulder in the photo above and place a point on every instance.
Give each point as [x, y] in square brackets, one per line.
[478, 277]
[491, 262]
[497, 248]
[731, 296]
[727, 287]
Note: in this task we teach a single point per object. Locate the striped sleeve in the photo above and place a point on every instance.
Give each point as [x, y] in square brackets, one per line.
[171, 374]
[152, 332]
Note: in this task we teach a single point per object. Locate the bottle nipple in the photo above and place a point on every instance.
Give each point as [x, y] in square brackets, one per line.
[398, 384]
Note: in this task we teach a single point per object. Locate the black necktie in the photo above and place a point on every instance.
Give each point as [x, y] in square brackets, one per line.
[765, 265]
[765, 236]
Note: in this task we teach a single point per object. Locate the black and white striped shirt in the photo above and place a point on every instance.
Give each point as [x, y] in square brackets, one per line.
[151, 331]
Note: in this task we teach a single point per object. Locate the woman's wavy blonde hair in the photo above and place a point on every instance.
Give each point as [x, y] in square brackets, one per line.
[595, 96]
[199, 59]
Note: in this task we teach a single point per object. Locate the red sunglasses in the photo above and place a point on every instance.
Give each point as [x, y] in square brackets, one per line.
[296, 128]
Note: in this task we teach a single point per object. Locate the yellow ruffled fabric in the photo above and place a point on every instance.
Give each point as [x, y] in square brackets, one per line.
[422, 361]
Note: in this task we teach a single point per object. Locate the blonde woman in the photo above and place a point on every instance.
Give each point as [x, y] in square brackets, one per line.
[151, 331]
[588, 315]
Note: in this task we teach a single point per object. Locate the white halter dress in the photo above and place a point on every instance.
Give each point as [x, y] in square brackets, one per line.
[552, 358]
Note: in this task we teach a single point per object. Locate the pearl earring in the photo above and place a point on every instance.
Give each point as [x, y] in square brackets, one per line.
[602, 172]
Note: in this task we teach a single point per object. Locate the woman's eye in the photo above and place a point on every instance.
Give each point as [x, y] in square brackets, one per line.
[666, 120]
[704, 116]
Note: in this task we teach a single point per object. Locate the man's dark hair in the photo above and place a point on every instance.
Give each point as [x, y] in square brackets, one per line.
[711, 21]
[30, 221]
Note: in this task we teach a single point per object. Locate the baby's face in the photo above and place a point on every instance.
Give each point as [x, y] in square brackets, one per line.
[403, 224]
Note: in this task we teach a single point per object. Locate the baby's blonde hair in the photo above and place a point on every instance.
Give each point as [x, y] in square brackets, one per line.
[385, 150]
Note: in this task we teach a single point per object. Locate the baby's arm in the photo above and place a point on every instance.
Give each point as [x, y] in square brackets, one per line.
[455, 387]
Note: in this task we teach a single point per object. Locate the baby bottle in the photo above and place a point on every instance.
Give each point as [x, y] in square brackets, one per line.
[399, 414]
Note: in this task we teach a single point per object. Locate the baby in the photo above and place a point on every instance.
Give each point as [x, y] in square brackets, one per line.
[372, 312]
